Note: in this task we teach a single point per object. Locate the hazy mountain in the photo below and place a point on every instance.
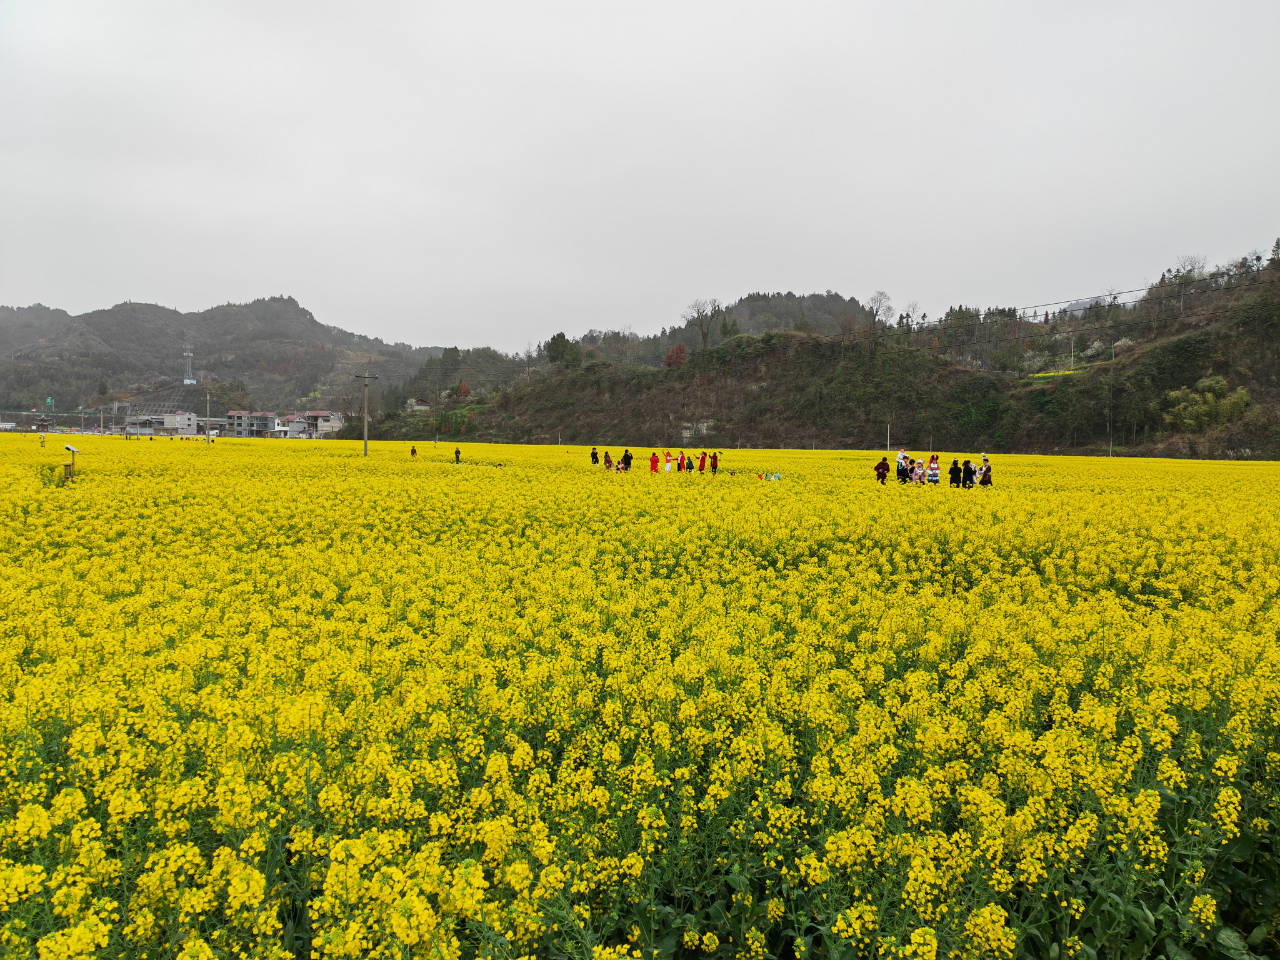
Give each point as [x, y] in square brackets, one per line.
[280, 353]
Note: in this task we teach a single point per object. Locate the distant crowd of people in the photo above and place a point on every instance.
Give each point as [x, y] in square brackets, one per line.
[912, 470]
[685, 463]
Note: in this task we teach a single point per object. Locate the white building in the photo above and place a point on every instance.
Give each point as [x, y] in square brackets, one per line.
[323, 423]
[182, 424]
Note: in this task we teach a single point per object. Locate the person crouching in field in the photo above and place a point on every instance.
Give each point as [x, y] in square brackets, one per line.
[882, 470]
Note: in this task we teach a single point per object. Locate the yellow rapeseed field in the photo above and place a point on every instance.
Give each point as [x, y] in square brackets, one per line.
[270, 699]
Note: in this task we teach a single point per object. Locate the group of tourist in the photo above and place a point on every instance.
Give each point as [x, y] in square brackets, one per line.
[685, 463]
[913, 470]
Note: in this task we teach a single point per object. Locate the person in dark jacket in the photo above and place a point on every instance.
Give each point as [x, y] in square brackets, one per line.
[595, 457]
[984, 474]
[457, 455]
[954, 472]
[966, 478]
[882, 470]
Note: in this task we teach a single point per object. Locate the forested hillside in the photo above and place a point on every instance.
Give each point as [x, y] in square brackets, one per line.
[1187, 366]
[273, 349]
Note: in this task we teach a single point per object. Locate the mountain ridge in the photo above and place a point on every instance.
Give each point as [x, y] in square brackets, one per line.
[271, 347]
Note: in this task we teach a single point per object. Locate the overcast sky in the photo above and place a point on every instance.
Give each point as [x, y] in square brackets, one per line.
[490, 173]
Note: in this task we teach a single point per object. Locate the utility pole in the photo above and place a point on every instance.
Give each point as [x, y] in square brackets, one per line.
[365, 378]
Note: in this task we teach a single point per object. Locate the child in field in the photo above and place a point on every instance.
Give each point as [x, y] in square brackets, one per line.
[954, 472]
[882, 470]
[984, 475]
[934, 470]
[966, 478]
[608, 461]
[653, 462]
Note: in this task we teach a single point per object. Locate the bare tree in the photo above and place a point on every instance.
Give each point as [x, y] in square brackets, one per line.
[703, 315]
[881, 307]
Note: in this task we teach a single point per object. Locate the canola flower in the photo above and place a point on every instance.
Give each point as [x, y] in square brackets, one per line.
[269, 700]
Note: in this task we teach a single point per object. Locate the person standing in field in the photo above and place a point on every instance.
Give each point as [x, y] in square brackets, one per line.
[954, 472]
[702, 462]
[919, 474]
[668, 455]
[984, 475]
[934, 470]
[457, 455]
[715, 463]
[653, 462]
[882, 470]
[680, 463]
[966, 478]
[608, 461]
[413, 453]
[595, 457]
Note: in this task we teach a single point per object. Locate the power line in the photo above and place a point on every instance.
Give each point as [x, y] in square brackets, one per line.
[1120, 293]
[887, 334]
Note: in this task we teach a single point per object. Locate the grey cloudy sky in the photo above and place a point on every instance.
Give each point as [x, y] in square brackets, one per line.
[490, 173]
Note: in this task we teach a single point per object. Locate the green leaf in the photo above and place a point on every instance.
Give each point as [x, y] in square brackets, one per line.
[1258, 935]
[1230, 940]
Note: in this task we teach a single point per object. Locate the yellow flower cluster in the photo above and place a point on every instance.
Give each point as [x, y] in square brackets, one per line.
[276, 699]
